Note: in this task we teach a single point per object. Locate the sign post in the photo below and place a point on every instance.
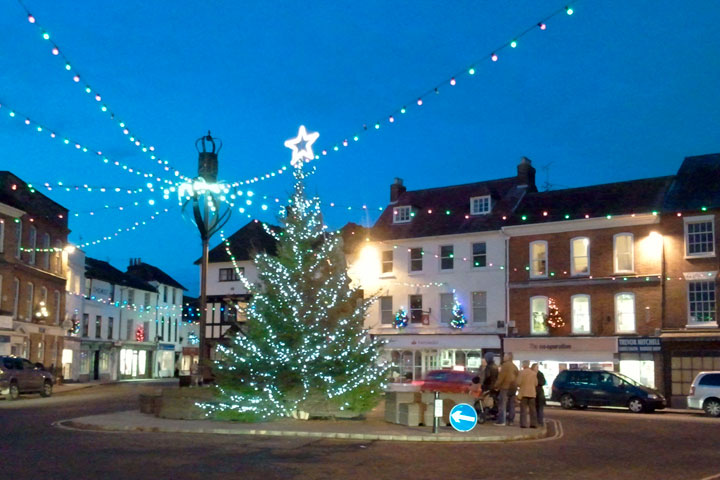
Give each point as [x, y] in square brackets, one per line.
[438, 412]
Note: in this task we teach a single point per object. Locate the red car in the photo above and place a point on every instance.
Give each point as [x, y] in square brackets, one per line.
[447, 381]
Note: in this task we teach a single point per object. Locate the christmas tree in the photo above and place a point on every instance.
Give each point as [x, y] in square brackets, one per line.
[554, 319]
[304, 348]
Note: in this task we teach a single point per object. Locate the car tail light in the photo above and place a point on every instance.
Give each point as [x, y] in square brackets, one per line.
[692, 390]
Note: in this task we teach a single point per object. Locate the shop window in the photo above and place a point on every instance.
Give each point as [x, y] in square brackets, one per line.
[538, 259]
[387, 261]
[623, 253]
[416, 259]
[700, 236]
[479, 307]
[580, 256]
[538, 314]
[684, 367]
[625, 313]
[701, 302]
[446, 305]
[104, 361]
[386, 311]
[447, 259]
[479, 254]
[580, 305]
[416, 312]
[638, 366]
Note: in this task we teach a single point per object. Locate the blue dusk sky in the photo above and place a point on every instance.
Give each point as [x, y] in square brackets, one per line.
[616, 91]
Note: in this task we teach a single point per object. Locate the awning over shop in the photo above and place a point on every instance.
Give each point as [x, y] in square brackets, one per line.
[580, 349]
[422, 342]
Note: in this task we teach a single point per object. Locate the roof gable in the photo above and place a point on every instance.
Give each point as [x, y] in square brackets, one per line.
[696, 185]
[245, 243]
[150, 273]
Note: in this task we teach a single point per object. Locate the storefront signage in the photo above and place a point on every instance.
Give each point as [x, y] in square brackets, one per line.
[639, 345]
[166, 346]
[588, 349]
[700, 275]
[419, 342]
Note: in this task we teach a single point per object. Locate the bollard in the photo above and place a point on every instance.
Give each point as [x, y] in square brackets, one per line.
[438, 412]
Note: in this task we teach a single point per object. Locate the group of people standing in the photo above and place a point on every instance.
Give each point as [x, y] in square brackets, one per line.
[508, 383]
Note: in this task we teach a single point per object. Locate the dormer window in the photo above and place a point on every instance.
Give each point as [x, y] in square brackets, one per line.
[402, 214]
[480, 205]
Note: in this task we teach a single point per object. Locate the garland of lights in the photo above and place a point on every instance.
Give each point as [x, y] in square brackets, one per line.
[401, 319]
[304, 340]
[55, 50]
[140, 334]
[457, 319]
[135, 226]
[390, 118]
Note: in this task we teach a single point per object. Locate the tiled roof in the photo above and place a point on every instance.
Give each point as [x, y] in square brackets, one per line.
[696, 185]
[101, 270]
[244, 243]
[431, 207]
[619, 198]
[151, 273]
[30, 200]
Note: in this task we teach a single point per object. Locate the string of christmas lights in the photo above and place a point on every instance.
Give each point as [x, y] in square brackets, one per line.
[92, 188]
[147, 149]
[40, 128]
[134, 226]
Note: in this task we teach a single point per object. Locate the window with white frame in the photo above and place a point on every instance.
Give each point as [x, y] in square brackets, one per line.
[479, 254]
[479, 307]
[700, 236]
[538, 314]
[30, 302]
[625, 312]
[46, 251]
[447, 257]
[580, 305]
[538, 259]
[16, 297]
[18, 238]
[480, 205]
[416, 311]
[701, 302]
[387, 261]
[32, 244]
[580, 256]
[446, 305]
[416, 259]
[225, 275]
[386, 310]
[402, 214]
[623, 253]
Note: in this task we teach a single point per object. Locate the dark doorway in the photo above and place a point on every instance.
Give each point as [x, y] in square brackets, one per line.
[96, 365]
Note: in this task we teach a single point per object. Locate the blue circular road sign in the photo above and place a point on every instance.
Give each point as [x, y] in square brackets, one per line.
[463, 417]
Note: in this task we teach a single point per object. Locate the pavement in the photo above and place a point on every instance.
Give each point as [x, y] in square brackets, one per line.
[372, 427]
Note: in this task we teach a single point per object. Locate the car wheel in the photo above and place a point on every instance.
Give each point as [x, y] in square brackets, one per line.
[567, 401]
[636, 405]
[47, 390]
[712, 407]
[14, 393]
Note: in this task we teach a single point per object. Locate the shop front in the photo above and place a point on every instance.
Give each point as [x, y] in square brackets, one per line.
[190, 356]
[70, 359]
[412, 356]
[639, 358]
[98, 361]
[135, 361]
[555, 354]
[685, 354]
[165, 360]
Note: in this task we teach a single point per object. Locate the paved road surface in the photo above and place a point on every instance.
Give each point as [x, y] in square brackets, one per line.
[590, 444]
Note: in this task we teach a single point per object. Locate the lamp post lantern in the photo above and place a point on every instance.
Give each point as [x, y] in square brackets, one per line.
[209, 214]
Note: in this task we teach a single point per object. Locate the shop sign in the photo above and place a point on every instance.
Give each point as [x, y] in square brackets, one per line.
[586, 349]
[166, 346]
[639, 345]
[700, 275]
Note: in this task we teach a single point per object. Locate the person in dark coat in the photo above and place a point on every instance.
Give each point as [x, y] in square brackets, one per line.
[540, 395]
[491, 372]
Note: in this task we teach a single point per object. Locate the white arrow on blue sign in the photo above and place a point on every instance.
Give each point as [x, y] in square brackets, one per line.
[463, 417]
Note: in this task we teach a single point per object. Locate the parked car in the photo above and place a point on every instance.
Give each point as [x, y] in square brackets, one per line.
[582, 388]
[705, 393]
[448, 381]
[18, 375]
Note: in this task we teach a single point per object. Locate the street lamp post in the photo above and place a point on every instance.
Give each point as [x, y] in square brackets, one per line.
[208, 213]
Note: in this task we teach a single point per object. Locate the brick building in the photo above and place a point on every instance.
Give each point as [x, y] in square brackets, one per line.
[33, 234]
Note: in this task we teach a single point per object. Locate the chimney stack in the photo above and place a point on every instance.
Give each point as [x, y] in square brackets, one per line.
[396, 189]
[526, 175]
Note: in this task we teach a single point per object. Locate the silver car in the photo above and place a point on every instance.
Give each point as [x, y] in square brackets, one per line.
[18, 375]
[705, 393]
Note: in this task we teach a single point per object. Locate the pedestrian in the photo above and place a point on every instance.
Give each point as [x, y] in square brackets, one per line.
[506, 384]
[527, 383]
[481, 370]
[540, 395]
[490, 373]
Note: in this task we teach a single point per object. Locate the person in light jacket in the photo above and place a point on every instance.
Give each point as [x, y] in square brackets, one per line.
[527, 382]
[506, 383]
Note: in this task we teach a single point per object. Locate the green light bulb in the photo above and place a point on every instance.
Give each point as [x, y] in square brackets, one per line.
[471, 71]
[513, 44]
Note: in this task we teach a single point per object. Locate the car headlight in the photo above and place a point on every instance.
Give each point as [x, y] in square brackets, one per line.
[652, 396]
